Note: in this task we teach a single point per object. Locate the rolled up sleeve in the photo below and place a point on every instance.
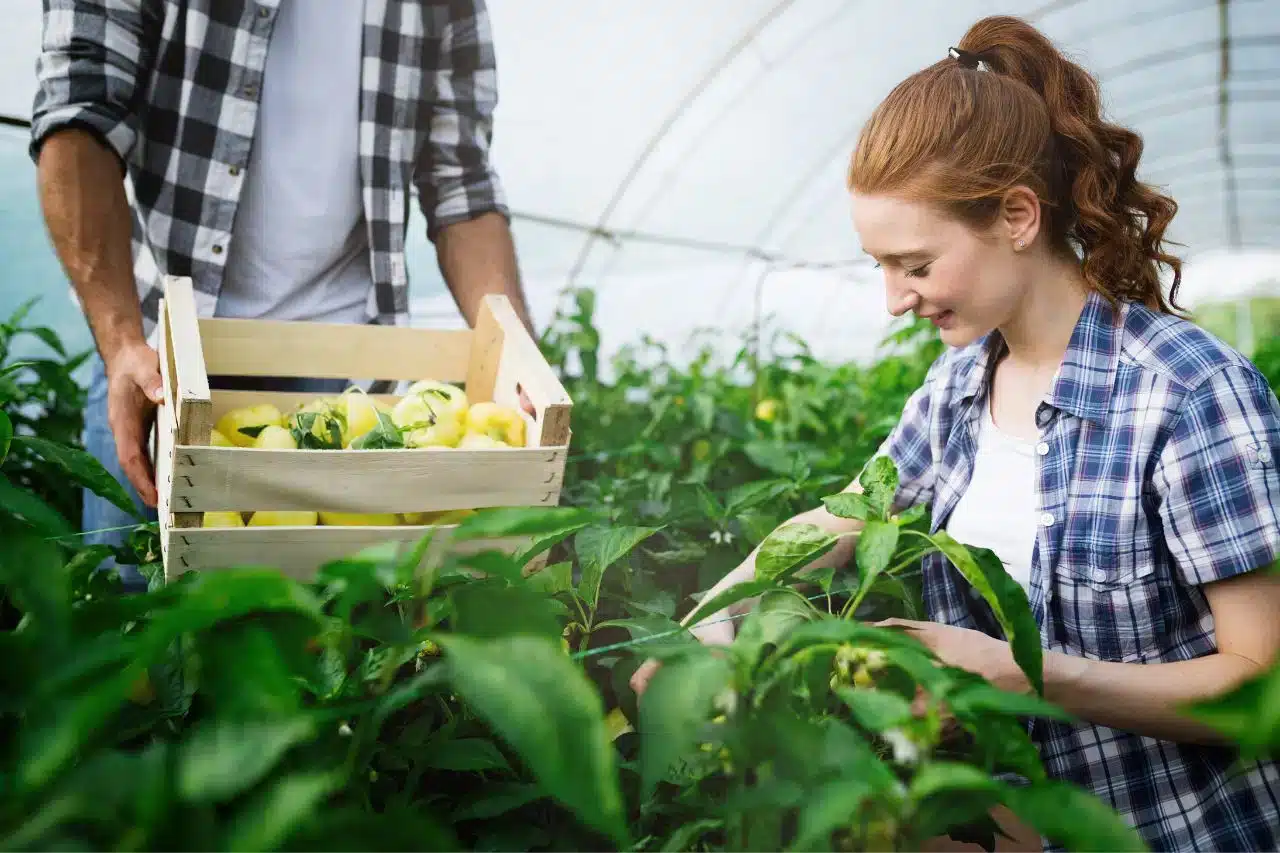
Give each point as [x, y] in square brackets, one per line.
[1218, 478]
[456, 180]
[94, 58]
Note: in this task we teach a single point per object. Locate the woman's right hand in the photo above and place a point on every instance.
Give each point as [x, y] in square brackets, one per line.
[712, 634]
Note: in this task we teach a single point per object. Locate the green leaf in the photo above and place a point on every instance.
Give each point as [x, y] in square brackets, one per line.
[1008, 600]
[732, 595]
[552, 579]
[83, 469]
[949, 794]
[673, 709]
[6, 436]
[1072, 818]
[830, 807]
[983, 699]
[483, 609]
[1249, 715]
[754, 494]
[848, 505]
[32, 508]
[876, 545]
[48, 336]
[791, 546]
[599, 548]
[911, 515]
[497, 798]
[385, 435]
[223, 758]
[545, 708]
[879, 481]
[465, 755]
[683, 838]
[876, 710]
[501, 522]
[288, 806]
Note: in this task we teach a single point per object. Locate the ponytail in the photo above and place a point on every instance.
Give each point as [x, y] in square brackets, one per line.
[962, 136]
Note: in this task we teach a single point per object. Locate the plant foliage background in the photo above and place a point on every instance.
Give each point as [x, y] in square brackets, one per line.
[478, 706]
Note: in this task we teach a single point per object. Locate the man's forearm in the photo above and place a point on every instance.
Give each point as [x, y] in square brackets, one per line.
[1144, 698]
[87, 215]
[478, 258]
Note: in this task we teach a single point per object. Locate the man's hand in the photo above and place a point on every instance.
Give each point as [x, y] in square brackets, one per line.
[134, 389]
[717, 634]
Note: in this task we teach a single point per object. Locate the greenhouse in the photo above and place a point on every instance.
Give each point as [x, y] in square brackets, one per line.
[717, 552]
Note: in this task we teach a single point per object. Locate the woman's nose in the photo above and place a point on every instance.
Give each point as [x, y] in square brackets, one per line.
[900, 302]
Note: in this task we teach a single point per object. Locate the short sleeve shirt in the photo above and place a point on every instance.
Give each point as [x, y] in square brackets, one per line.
[1158, 471]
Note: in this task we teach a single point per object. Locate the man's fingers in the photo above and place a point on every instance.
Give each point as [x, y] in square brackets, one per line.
[137, 467]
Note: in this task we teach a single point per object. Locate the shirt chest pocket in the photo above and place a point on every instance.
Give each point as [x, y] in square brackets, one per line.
[1109, 592]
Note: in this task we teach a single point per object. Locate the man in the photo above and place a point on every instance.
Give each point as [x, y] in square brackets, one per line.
[270, 147]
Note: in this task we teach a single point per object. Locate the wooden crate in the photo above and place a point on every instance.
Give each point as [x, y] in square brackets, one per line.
[494, 361]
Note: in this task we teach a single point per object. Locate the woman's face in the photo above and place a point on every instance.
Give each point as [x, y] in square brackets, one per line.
[966, 282]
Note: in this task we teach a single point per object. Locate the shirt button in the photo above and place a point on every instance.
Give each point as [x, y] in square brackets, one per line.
[1099, 575]
[251, 91]
[1046, 518]
[1043, 448]
[264, 12]
[217, 250]
[234, 170]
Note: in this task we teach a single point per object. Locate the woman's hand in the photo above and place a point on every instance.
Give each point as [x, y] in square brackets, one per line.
[969, 650]
[712, 634]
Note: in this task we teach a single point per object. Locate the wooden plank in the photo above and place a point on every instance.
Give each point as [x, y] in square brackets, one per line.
[285, 401]
[225, 478]
[349, 351]
[164, 435]
[300, 551]
[505, 360]
[194, 409]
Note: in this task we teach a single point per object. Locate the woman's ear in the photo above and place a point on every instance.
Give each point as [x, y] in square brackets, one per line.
[1020, 216]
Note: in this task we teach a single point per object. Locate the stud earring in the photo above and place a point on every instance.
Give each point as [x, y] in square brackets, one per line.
[1022, 244]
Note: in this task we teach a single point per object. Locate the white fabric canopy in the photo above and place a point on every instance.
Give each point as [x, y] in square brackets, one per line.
[686, 157]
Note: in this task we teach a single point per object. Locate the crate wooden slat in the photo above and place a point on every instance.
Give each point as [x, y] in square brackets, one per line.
[299, 551]
[496, 360]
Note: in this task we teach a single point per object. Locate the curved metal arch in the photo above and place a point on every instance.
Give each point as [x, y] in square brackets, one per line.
[732, 104]
[688, 100]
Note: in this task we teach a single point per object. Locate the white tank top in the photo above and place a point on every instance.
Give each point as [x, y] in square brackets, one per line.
[299, 248]
[998, 510]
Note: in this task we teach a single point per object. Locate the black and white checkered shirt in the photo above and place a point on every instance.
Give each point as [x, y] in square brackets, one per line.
[172, 86]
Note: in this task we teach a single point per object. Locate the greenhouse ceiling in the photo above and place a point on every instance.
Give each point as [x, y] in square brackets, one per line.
[687, 158]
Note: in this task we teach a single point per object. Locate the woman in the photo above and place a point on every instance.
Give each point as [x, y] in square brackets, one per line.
[1123, 463]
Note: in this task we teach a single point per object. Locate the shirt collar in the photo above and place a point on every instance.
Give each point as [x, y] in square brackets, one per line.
[1084, 382]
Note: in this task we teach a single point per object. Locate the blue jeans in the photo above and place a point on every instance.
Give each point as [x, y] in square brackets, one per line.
[101, 515]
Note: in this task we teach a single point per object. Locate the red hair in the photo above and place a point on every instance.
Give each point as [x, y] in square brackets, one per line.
[961, 137]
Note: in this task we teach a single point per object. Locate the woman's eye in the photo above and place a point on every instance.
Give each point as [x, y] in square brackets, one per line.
[918, 272]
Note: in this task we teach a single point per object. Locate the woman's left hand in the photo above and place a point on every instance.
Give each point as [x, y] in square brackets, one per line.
[969, 650]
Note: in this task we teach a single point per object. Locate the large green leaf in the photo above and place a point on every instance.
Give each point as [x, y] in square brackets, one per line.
[544, 707]
[876, 710]
[598, 549]
[33, 509]
[674, 707]
[724, 598]
[831, 807]
[222, 758]
[83, 469]
[749, 495]
[1249, 715]
[286, 807]
[876, 545]
[982, 699]
[879, 480]
[849, 505]
[1008, 600]
[499, 522]
[484, 609]
[1073, 818]
[464, 754]
[6, 436]
[791, 546]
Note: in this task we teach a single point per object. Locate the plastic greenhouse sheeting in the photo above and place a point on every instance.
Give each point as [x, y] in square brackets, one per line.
[686, 159]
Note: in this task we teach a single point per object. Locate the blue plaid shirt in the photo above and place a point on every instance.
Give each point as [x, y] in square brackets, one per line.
[1158, 471]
